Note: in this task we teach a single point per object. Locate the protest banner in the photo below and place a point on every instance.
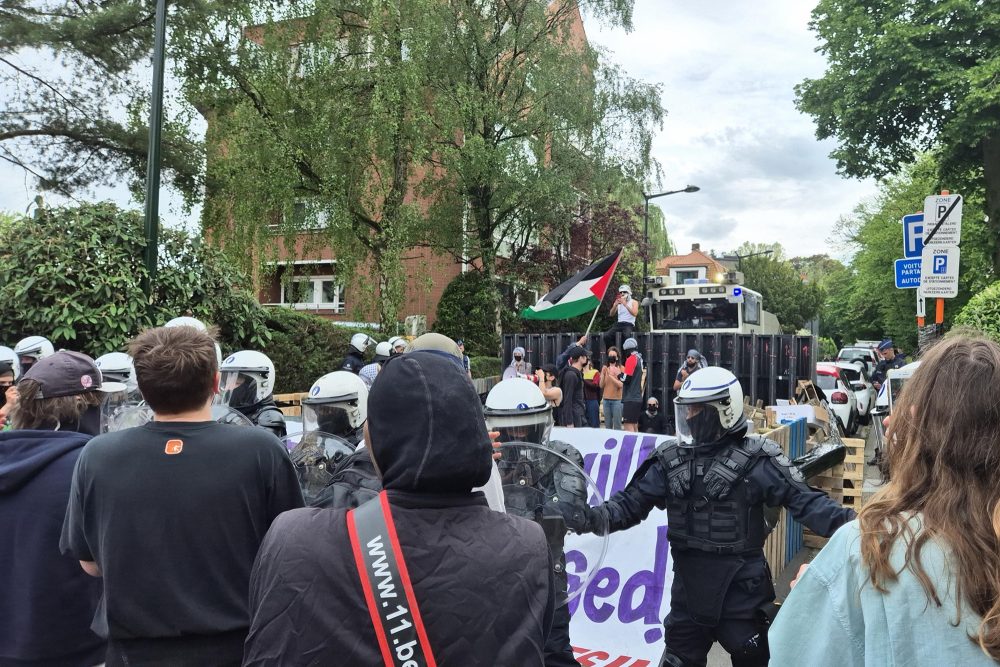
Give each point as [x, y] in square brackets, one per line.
[617, 619]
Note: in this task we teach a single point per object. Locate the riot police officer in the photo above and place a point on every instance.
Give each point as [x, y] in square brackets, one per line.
[715, 481]
[517, 410]
[247, 386]
[31, 349]
[186, 321]
[888, 360]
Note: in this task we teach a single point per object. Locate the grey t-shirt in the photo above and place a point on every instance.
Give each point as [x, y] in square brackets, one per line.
[632, 389]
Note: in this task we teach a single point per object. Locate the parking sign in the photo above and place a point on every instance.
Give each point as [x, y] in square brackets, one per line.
[913, 235]
[939, 271]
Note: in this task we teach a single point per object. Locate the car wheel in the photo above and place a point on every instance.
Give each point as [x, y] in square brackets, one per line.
[840, 425]
[852, 424]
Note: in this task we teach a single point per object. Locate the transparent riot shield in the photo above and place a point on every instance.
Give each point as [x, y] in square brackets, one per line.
[128, 416]
[550, 489]
[316, 456]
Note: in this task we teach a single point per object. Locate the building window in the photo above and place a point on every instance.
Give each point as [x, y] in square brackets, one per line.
[313, 293]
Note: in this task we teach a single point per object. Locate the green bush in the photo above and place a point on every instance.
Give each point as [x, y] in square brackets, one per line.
[982, 312]
[484, 367]
[464, 312]
[304, 347]
[75, 275]
[827, 349]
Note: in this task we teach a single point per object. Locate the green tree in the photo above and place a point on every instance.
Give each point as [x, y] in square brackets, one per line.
[982, 312]
[905, 77]
[84, 120]
[792, 301]
[535, 124]
[74, 275]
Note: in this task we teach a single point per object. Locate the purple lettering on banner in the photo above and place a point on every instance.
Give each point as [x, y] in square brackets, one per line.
[575, 562]
[648, 445]
[624, 463]
[603, 470]
[651, 582]
[603, 585]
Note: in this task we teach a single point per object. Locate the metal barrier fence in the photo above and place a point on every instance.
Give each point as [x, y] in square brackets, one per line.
[768, 367]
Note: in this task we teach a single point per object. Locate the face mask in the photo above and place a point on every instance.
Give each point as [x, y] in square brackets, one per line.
[612, 360]
[652, 410]
[517, 357]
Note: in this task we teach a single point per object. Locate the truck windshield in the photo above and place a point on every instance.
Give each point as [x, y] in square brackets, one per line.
[697, 314]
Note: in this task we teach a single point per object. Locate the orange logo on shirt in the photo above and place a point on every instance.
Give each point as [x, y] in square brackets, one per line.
[174, 446]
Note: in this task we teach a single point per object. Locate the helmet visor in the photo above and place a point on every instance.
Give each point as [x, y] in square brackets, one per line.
[533, 428]
[697, 424]
[339, 419]
[316, 456]
[237, 390]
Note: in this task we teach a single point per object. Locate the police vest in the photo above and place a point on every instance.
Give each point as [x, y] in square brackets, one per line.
[729, 525]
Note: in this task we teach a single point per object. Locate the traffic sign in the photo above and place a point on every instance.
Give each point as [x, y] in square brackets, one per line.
[946, 210]
[908, 273]
[939, 271]
[913, 235]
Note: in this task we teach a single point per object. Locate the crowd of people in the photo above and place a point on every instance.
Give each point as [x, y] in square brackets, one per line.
[381, 533]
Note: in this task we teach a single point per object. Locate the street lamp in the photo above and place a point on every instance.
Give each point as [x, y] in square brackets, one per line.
[152, 213]
[645, 227]
[739, 258]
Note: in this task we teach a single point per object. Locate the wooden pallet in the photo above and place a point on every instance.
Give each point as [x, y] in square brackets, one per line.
[844, 483]
[290, 404]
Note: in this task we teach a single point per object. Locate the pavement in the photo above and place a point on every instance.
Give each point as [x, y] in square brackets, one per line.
[718, 657]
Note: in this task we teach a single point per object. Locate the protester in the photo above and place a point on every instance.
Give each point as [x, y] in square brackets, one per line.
[171, 513]
[483, 585]
[563, 357]
[549, 385]
[626, 309]
[355, 359]
[592, 394]
[714, 482]
[519, 366]
[573, 410]
[914, 580]
[611, 386]
[382, 353]
[32, 349]
[516, 410]
[10, 371]
[48, 602]
[652, 420]
[247, 386]
[466, 362]
[631, 378]
[195, 323]
[693, 362]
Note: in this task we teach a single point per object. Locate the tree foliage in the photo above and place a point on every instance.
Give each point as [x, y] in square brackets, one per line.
[906, 77]
[465, 311]
[792, 301]
[74, 275]
[982, 312]
[74, 103]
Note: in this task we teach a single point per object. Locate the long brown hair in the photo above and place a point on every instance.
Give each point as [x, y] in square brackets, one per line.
[944, 465]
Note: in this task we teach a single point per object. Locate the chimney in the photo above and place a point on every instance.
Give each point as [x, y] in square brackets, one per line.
[695, 247]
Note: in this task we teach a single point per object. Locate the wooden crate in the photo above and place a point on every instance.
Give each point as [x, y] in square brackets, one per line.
[290, 404]
[844, 483]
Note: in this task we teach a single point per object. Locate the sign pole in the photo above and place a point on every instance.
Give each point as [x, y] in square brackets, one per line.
[939, 311]
[920, 310]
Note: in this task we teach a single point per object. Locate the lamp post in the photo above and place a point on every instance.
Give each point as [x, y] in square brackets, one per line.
[152, 217]
[739, 258]
[645, 227]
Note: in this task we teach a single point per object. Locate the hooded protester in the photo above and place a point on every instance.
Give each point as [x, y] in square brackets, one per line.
[694, 361]
[310, 605]
[519, 366]
[382, 353]
[48, 602]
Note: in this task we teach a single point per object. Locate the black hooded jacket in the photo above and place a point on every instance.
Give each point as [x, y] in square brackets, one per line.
[47, 602]
[482, 579]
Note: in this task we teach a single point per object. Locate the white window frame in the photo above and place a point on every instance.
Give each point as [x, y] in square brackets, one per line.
[337, 305]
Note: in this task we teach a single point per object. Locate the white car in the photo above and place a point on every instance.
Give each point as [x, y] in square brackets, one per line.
[865, 355]
[862, 386]
[839, 395]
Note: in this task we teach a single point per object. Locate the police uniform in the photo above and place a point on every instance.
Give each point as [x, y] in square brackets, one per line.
[716, 497]
[266, 415]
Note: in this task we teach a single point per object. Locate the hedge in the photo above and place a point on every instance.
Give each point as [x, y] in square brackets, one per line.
[484, 367]
[982, 312]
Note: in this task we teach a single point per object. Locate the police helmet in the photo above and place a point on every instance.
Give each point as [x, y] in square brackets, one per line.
[397, 344]
[9, 362]
[118, 367]
[382, 352]
[360, 342]
[31, 349]
[247, 379]
[185, 321]
[337, 404]
[708, 407]
[517, 409]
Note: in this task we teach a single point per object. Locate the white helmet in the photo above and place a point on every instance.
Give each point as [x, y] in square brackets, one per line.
[360, 342]
[630, 344]
[337, 404]
[247, 379]
[9, 362]
[31, 349]
[397, 344]
[382, 351]
[185, 321]
[118, 367]
[517, 409]
[708, 407]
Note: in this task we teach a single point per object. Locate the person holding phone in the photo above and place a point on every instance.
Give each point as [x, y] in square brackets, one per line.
[611, 386]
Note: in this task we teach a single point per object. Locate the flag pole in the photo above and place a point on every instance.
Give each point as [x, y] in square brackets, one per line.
[590, 326]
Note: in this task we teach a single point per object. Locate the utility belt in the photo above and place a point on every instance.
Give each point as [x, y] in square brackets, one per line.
[400, 631]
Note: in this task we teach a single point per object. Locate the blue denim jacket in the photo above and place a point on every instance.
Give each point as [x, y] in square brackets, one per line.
[834, 616]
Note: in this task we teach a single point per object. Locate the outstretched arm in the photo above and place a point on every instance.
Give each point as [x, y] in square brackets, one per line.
[646, 490]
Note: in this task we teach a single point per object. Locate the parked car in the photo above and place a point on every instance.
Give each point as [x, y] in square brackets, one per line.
[887, 395]
[861, 384]
[839, 395]
[866, 355]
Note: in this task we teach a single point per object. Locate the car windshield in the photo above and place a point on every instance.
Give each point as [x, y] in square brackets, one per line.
[851, 374]
[826, 382]
[856, 353]
[697, 314]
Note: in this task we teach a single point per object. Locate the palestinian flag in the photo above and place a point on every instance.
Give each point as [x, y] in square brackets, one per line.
[580, 294]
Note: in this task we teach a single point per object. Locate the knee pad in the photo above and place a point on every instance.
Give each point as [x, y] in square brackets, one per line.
[753, 653]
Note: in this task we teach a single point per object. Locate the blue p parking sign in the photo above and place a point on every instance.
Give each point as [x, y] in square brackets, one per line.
[940, 264]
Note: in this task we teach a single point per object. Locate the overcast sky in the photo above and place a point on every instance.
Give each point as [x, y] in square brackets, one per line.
[728, 69]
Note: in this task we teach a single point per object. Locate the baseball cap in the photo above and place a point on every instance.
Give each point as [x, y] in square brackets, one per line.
[68, 373]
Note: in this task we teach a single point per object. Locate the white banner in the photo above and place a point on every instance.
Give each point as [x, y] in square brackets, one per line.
[617, 621]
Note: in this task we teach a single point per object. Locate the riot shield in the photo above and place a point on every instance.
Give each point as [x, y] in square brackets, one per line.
[227, 415]
[128, 416]
[550, 489]
[316, 456]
